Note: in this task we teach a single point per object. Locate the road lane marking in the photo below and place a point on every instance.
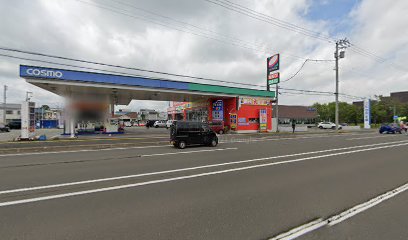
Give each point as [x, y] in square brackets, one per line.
[370, 137]
[338, 218]
[187, 169]
[64, 195]
[83, 150]
[301, 230]
[187, 152]
[156, 146]
[366, 205]
[114, 158]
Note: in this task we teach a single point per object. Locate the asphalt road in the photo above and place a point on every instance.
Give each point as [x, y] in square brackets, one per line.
[249, 187]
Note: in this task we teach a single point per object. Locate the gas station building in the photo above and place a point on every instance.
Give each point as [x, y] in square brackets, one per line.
[94, 94]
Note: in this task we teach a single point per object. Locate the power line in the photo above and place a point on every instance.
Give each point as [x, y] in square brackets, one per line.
[259, 16]
[295, 28]
[118, 66]
[183, 27]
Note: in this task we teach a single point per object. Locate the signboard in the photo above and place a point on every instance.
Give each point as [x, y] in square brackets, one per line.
[233, 120]
[396, 117]
[263, 119]
[255, 101]
[218, 110]
[273, 78]
[367, 114]
[273, 63]
[242, 122]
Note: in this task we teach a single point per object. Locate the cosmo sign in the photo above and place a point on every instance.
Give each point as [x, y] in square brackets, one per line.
[47, 73]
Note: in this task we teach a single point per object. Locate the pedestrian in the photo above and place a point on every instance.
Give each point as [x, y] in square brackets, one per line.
[293, 126]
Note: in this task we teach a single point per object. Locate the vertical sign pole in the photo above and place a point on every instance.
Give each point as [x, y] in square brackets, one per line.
[337, 87]
[277, 107]
[4, 105]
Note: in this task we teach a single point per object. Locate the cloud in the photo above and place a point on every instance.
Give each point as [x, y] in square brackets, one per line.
[79, 30]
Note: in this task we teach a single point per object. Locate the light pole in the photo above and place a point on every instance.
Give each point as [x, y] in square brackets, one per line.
[340, 45]
[4, 104]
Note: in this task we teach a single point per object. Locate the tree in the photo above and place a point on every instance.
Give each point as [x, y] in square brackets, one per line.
[45, 107]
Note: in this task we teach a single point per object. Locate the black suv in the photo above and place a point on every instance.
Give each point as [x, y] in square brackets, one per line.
[183, 133]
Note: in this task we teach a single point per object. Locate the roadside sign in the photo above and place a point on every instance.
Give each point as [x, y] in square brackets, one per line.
[273, 78]
[367, 114]
[263, 120]
[395, 117]
[273, 63]
[233, 120]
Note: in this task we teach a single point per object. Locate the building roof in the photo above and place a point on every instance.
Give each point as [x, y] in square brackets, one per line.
[129, 87]
[297, 112]
[11, 106]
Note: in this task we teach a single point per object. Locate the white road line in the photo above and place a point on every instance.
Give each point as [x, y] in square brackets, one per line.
[186, 169]
[366, 205]
[301, 230]
[155, 146]
[29, 200]
[187, 152]
[83, 150]
[333, 220]
[370, 137]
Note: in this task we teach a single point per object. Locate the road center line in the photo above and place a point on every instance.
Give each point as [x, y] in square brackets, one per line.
[29, 200]
[186, 169]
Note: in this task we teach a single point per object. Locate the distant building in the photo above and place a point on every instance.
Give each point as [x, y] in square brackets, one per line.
[301, 114]
[13, 112]
[151, 114]
[401, 97]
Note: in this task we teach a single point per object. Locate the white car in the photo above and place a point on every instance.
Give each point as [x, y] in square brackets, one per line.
[169, 123]
[160, 123]
[327, 125]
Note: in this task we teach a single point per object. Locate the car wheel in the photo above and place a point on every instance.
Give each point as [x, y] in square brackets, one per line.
[320, 127]
[333, 127]
[182, 145]
[213, 142]
[221, 132]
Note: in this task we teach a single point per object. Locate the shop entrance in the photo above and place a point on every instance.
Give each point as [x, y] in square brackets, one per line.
[197, 115]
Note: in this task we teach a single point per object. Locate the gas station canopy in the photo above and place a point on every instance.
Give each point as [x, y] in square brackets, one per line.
[68, 83]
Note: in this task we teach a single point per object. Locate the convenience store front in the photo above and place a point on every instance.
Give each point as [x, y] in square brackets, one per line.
[239, 114]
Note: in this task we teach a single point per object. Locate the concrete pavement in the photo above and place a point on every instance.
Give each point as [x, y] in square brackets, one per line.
[251, 187]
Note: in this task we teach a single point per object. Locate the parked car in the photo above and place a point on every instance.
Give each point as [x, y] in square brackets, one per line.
[14, 125]
[217, 126]
[327, 125]
[169, 123]
[390, 128]
[4, 128]
[127, 124]
[160, 124]
[150, 123]
[183, 133]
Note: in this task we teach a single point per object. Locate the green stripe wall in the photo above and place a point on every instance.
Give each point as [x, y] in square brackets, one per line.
[230, 90]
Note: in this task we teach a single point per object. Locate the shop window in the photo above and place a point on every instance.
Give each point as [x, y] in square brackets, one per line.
[9, 112]
[254, 120]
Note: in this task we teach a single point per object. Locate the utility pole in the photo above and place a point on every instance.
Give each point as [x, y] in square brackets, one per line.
[4, 104]
[277, 108]
[340, 44]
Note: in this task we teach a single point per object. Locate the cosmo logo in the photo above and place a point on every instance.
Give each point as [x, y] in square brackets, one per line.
[44, 73]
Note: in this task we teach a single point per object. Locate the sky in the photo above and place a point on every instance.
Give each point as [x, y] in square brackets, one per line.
[200, 38]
